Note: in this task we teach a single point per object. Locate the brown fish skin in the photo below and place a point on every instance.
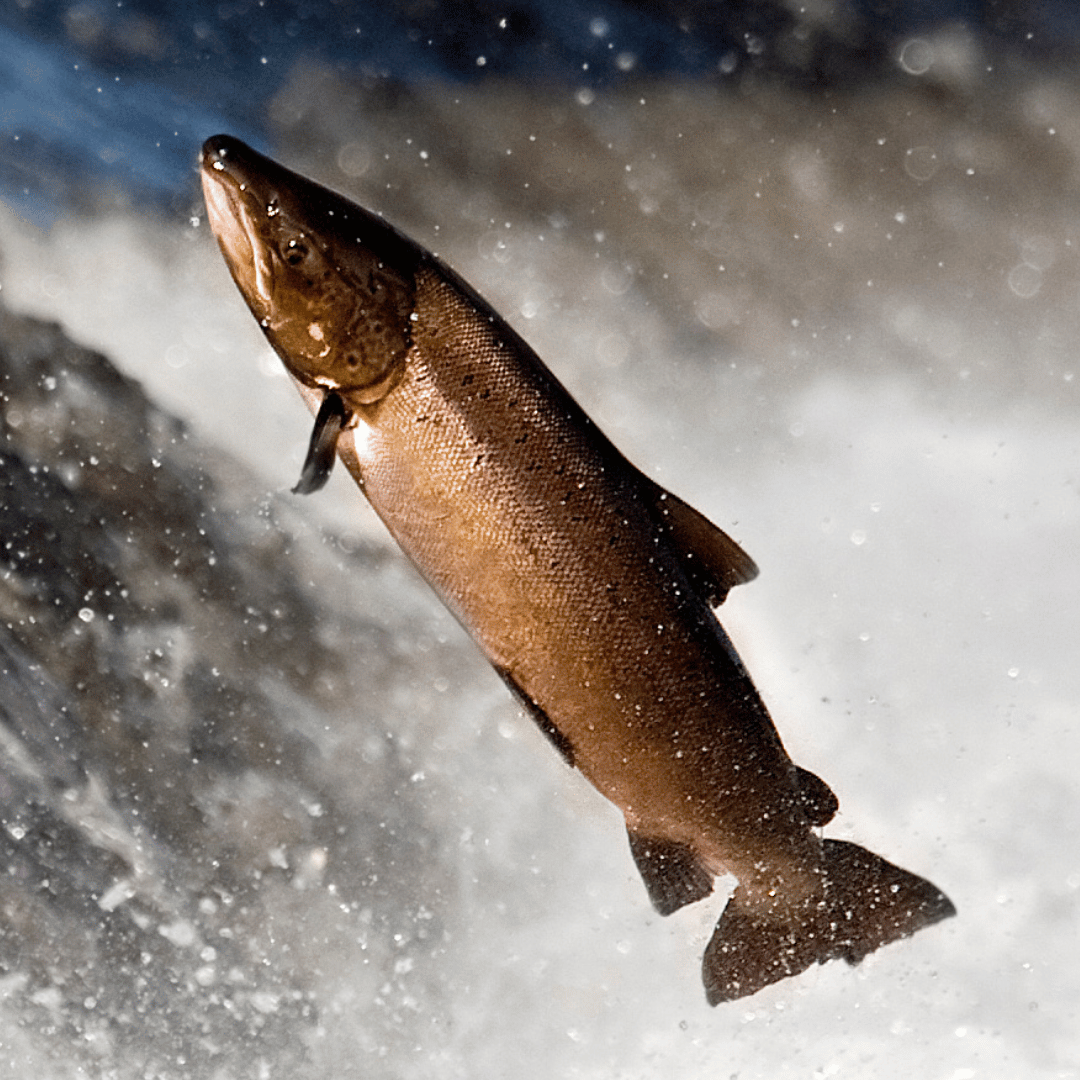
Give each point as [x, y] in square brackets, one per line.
[587, 586]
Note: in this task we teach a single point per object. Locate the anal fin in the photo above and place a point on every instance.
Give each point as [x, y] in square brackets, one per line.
[671, 871]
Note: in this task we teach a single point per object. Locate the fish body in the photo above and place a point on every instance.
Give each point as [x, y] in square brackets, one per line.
[589, 588]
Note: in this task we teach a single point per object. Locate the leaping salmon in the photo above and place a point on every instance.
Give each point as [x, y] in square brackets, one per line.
[589, 588]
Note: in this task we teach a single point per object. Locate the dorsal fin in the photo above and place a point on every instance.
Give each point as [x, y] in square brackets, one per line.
[713, 561]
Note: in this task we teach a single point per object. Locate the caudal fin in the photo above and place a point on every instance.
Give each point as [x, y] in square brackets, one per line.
[868, 902]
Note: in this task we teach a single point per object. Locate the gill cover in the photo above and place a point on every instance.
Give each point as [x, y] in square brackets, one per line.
[331, 284]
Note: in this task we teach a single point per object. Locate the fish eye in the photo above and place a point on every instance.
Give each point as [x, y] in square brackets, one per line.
[296, 251]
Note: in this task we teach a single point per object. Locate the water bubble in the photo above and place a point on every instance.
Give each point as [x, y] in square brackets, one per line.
[916, 56]
[716, 310]
[177, 356]
[616, 279]
[1025, 280]
[354, 159]
[921, 162]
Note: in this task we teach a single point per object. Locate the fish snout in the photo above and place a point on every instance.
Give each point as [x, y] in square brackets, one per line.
[220, 151]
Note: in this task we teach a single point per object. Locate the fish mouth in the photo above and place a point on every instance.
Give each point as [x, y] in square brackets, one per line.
[228, 196]
[227, 159]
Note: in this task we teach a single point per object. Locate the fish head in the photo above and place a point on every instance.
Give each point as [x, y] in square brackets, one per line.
[332, 285]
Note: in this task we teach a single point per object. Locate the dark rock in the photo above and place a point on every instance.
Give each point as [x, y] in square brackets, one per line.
[182, 815]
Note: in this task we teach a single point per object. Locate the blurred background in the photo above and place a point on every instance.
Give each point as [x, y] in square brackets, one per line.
[813, 266]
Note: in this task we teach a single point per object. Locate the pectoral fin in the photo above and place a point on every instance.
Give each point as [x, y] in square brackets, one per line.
[543, 721]
[714, 562]
[322, 450]
[672, 874]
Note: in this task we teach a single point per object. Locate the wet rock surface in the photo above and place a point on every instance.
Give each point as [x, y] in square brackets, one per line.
[177, 815]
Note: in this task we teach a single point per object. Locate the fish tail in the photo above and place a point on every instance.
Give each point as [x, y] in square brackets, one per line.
[866, 903]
